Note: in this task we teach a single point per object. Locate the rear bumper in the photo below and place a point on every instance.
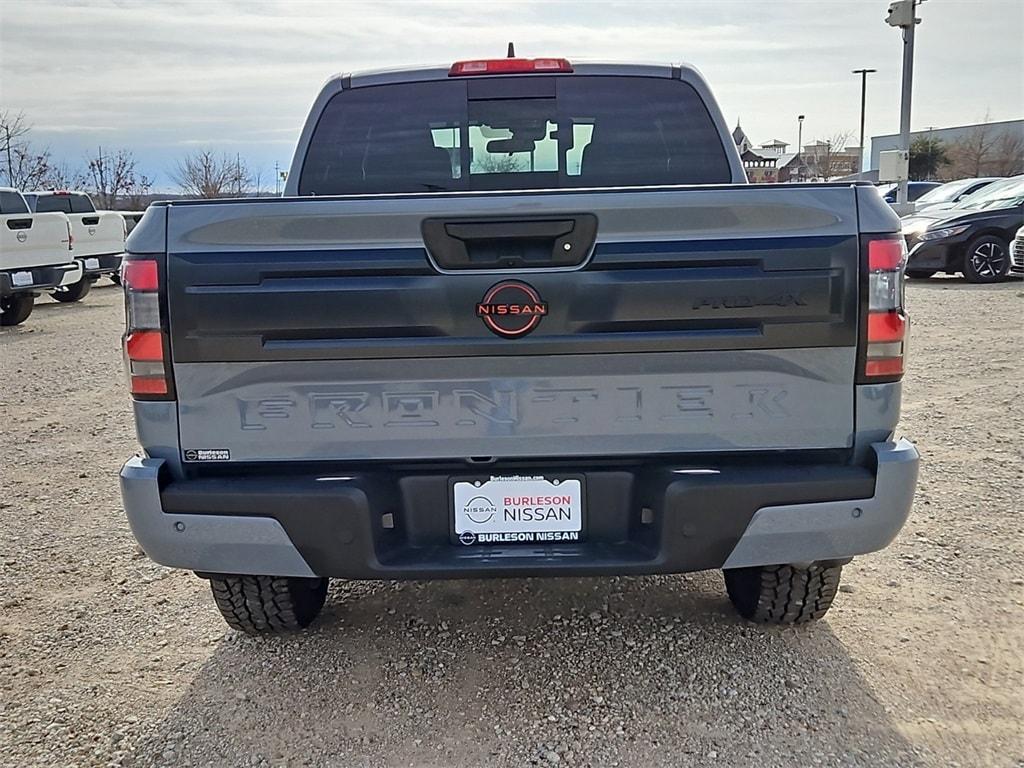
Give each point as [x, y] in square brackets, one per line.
[43, 278]
[942, 256]
[644, 519]
[94, 266]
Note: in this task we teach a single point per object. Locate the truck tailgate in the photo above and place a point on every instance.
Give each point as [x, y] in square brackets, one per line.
[702, 319]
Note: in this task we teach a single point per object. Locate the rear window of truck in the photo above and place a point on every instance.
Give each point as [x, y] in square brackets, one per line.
[64, 204]
[513, 133]
[12, 202]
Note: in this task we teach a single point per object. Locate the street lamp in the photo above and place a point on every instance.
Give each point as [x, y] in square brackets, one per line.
[863, 100]
[800, 146]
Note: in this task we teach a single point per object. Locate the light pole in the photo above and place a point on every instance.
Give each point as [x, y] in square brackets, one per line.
[800, 146]
[863, 101]
[903, 14]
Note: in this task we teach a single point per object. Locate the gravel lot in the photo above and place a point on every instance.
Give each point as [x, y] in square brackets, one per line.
[107, 658]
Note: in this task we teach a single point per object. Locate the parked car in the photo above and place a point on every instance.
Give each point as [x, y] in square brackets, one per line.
[35, 256]
[947, 195]
[1017, 254]
[915, 190]
[973, 237]
[98, 237]
[517, 318]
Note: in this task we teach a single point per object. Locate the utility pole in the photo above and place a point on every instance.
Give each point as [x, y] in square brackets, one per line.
[277, 179]
[801, 176]
[863, 102]
[902, 14]
[10, 165]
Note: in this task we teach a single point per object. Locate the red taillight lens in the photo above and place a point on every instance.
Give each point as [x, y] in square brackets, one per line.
[141, 275]
[145, 338]
[148, 385]
[507, 66]
[884, 366]
[884, 327]
[144, 346]
[885, 254]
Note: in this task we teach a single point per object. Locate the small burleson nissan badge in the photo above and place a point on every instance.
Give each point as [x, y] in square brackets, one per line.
[517, 317]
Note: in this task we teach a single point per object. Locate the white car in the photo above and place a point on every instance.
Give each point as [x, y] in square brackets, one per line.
[35, 256]
[1017, 254]
[947, 195]
[97, 237]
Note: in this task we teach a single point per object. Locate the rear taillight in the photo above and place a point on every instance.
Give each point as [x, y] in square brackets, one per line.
[507, 66]
[883, 323]
[146, 349]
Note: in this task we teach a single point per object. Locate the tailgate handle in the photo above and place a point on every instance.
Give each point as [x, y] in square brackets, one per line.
[19, 223]
[90, 221]
[510, 243]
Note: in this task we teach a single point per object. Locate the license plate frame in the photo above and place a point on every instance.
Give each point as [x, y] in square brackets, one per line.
[92, 263]
[556, 529]
[22, 279]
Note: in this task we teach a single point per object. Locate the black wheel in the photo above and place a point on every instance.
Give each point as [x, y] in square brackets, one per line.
[115, 278]
[783, 594]
[920, 274]
[260, 605]
[16, 308]
[987, 260]
[74, 292]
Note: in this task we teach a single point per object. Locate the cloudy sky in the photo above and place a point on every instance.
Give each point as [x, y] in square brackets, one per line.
[164, 78]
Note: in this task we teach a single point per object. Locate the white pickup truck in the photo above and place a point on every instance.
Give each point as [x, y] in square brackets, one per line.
[97, 236]
[35, 255]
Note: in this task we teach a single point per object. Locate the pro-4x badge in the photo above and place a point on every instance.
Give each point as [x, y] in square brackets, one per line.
[511, 308]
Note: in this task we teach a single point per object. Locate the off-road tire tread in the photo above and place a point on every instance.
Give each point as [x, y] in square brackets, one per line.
[783, 594]
[259, 605]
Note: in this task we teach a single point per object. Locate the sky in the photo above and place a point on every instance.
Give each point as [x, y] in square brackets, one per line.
[167, 78]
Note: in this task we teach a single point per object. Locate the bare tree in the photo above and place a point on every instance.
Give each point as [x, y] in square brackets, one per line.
[987, 150]
[499, 164]
[112, 176]
[23, 165]
[971, 154]
[1009, 154]
[62, 177]
[204, 174]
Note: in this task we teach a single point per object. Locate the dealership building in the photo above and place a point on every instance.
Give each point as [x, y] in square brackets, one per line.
[949, 136]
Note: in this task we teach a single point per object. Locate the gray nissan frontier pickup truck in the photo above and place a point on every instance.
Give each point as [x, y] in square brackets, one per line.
[517, 317]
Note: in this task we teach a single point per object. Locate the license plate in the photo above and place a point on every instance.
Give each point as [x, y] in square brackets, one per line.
[532, 509]
[92, 263]
[21, 279]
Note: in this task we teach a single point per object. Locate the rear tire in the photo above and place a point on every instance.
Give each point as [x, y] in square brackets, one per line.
[920, 274]
[263, 605]
[16, 308]
[74, 292]
[987, 260]
[115, 278]
[783, 594]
